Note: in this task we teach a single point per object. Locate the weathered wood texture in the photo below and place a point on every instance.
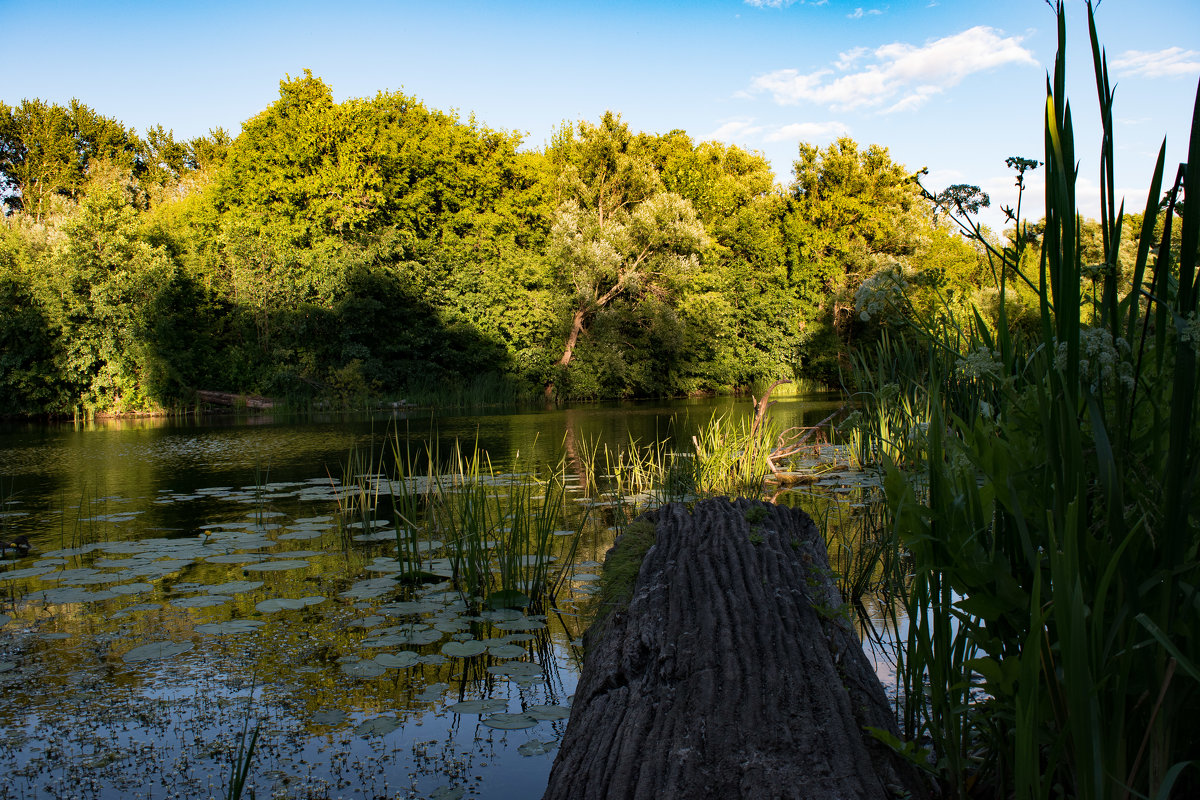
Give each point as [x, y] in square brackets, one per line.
[733, 673]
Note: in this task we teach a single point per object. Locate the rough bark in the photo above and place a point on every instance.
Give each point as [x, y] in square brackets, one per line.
[733, 672]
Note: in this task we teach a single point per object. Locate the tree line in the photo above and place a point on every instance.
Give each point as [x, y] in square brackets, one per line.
[376, 246]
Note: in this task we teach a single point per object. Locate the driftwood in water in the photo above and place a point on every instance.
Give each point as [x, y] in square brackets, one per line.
[733, 672]
[235, 400]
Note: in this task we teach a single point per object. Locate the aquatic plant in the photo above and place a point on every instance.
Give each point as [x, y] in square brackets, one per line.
[1053, 644]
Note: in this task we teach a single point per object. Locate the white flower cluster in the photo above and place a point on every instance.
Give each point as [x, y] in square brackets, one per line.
[982, 362]
[882, 291]
[1101, 359]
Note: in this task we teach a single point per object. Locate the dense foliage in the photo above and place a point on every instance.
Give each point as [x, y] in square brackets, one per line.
[379, 248]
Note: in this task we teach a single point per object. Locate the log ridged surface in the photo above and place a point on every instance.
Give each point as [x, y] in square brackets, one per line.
[732, 673]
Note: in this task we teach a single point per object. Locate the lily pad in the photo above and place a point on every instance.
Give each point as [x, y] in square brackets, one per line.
[235, 558]
[526, 624]
[332, 716]
[156, 650]
[282, 603]
[506, 651]
[4, 620]
[379, 726]
[419, 637]
[203, 601]
[467, 649]
[276, 566]
[366, 668]
[509, 722]
[69, 594]
[548, 712]
[133, 588]
[478, 706]
[232, 587]
[447, 793]
[28, 572]
[432, 692]
[520, 671]
[5, 666]
[233, 626]
[401, 660]
[536, 748]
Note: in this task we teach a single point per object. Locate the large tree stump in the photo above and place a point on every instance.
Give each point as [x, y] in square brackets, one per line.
[733, 673]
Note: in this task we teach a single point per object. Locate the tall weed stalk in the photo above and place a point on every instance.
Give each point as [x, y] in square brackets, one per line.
[1053, 646]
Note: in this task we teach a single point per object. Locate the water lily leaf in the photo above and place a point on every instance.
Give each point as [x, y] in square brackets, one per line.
[156, 650]
[379, 726]
[447, 793]
[235, 558]
[453, 625]
[69, 594]
[433, 659]
[585, 576]
[332, 716]
[432, 692]
[132, 588]
[503, 614]
[276, 566]
[5, 666]
[366, 668]
[376, 536]
[71, 575]
[535, 748]
[509, 722]
[233, 626]
[4, 620]
[301, 535]
[526, 624]
[463, 649]
[371, 587]
[506, 651]
[402, 660]
[478, 706]
[232, 587]
[520, 672]
[419, 637]
[282, 603]
[203, 601]
[548, 712]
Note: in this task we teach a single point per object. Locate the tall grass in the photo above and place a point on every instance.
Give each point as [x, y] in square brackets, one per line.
[1053, 646]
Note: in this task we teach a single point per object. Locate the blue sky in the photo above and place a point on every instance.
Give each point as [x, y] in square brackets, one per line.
[952, 85]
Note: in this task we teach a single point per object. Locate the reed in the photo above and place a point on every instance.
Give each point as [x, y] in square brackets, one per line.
[1053, 517]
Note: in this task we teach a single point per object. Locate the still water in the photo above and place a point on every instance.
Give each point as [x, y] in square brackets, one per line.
[191, 582]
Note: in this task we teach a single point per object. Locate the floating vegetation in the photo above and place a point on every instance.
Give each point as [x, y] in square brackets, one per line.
[156, 651]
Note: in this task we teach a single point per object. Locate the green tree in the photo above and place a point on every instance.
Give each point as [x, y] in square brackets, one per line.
[616, 231]
[851, 212]
[45, 150]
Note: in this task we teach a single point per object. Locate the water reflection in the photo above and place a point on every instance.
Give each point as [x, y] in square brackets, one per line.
[164, 532]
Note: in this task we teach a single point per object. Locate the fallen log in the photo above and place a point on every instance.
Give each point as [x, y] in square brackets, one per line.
[732, 672]
[235, 400]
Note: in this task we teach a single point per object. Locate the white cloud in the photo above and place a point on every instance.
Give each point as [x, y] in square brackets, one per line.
[860, 13]
[902, 74]
[846, 60]
[1171, 62]
[738, 129]
[784, 3]
[808, 131]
